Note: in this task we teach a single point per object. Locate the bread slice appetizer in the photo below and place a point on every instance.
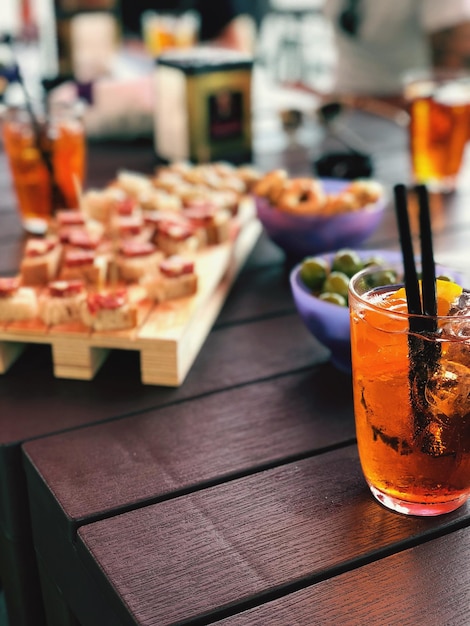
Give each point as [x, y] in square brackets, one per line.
[102, 205]
[84, 265]
[157, 217]
[218, 177]
[41, 261]
[108, 310]
[225, 199]
[132, 183]
[131, 227]
[72, 217]
[177, 279]
[84, 239]
[137, 259]
[168, 179]
[60, 303]
[249, 175]
[68, 223]
[17, 303]
[214, 221]
[177, 237]
[154, 199]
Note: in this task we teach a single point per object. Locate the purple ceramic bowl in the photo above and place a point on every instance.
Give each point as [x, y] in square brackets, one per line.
[300, 236]
[329, 323]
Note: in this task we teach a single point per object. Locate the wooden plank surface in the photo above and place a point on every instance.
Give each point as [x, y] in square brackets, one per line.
[233, 356]
[168, 451]
[268, 293]
[203, 553]
[427, 584]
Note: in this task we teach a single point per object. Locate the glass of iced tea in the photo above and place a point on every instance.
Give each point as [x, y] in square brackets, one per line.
[164, 30]
[411, 392]
[46, 156]
[438, 103]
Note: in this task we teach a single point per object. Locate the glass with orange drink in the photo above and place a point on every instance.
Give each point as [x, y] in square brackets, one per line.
[164, 30]
[438, 103]
[46, 155]
[411, 394]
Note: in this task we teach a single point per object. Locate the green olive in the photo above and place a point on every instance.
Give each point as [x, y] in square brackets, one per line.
[384, 277]
[334, 298]
[347, 261]
[445, 277]
[313, 272]
[337, 282]
[374, 260]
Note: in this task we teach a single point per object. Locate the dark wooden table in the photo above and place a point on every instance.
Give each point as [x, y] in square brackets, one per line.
[236, 498]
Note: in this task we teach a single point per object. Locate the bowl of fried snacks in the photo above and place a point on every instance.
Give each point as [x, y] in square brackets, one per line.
[305, 216]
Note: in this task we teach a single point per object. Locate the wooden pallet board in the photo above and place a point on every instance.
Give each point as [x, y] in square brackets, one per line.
[168, 336]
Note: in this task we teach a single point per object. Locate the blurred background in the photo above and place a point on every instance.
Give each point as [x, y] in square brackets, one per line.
[106, 50]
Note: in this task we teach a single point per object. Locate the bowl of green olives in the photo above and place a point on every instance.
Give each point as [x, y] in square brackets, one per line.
[319, 286]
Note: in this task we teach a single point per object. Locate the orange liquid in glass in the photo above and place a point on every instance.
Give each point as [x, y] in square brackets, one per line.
[421, 461]
[438, 136]
[65, 145]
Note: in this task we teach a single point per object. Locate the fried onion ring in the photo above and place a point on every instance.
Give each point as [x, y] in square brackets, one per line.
[303, 196]
[271, 185]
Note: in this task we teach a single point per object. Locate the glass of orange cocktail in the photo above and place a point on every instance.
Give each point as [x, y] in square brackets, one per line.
[411, 382]
[46, 155]
[438, 103]
[164, 30]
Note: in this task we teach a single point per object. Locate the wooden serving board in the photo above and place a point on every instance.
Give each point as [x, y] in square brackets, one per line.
[168, 336]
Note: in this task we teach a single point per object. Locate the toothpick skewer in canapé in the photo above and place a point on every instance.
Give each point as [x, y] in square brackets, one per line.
[113, 231]
[78, 191]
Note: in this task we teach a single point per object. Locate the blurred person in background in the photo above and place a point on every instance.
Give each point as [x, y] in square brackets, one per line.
[378, 41]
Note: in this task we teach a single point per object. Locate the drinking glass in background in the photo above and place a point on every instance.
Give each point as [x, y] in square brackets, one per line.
[46, 155]
[438, 103]
[411, 394]
[162, 31]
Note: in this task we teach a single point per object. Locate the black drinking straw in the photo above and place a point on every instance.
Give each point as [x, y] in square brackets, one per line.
[423, 354]
[410, 275]
[426, 303]
[427, 256]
